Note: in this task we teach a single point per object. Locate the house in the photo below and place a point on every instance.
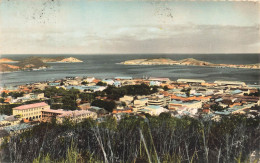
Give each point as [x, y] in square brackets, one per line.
[123, 78]
[231, 83]
[87, 88]
[117, 84]
[124, 110]
[175, 104]
[61, 115]
[140, 103]
[100, 111]
[40, 86]
[155, 83]
[159, 79]
[33, 96]
[85, 106]
[9, 120]
[31, 112]
[153, 109]
[159, 100]
[127, 99]
[89, 79]
[108, 81]
[54, 84]
[72, 82]
[191, 81]
[47, 115]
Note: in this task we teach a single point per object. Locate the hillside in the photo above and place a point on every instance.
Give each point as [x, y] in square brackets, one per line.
[70, 60]
[155, 61]
[187, 62]
[8, 67]
[35, 62]
[50, 59]
[195, 62]
[6, 60]
[31, 63]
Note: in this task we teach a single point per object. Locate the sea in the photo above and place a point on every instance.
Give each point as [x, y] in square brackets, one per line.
[106, 66]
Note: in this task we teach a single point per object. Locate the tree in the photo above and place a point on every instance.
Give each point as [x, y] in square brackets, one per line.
[108, 105]
[2, 100]
[165, 88]
[16, 94]
[4, 94]
[187, 91]
[84, 83]
[165, 115]
[216, 107]
[69, 102]
[101, 84]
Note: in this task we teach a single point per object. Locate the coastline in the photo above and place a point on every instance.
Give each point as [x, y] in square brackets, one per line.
[198, 63]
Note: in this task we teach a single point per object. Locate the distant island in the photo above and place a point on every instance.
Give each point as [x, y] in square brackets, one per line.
[187, 61]
[32, 63]
[7, 60]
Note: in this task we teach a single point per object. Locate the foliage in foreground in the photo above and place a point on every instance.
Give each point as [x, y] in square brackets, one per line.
[135, 139]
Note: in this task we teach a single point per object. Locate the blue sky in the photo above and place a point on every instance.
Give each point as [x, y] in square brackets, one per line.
[100, 27]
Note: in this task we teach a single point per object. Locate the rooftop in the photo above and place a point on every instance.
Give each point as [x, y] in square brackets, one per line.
[153, 106]
[183, 102]
[191, 80]
[29, 106]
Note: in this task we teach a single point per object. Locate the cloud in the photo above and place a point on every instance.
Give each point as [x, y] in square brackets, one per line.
[135, 39]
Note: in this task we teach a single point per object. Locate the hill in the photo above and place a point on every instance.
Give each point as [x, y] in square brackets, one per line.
[70, 60]
[6, 60]
[31, 63]
[8, 67]
[195, 62]
[187, 62]
[34, 62]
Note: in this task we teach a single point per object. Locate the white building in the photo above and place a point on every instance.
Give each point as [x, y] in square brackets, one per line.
[175, 104]
[159, 100]
[190, 81]
[153, 110]
[31, 111]
[230, 83]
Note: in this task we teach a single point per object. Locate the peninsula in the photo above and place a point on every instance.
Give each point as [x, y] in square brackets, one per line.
[7, 60]
[32, 63]
[187, 62]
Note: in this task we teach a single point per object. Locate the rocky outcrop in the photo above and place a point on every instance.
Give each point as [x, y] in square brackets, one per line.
[187, 61]
[8, 67]
[32, 63]
[70, 60]
[194, 62]
[6, 60]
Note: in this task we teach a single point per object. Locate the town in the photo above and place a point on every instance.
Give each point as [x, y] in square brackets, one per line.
[78, 98]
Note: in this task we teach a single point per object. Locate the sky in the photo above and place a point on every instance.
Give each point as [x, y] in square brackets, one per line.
[128, 27]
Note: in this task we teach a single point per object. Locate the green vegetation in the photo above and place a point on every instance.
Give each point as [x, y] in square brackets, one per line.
[108, 105]
[66, 99]
[136, 139]
[133, 90]
[165, 88]
[84, 83]
[4, 94]
[101, 84]
[7, 109]
[187, 91]
[35, 62]
[16, 94]
[216, 107]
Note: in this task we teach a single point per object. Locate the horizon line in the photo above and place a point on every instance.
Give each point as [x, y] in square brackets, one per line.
[128, 53]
